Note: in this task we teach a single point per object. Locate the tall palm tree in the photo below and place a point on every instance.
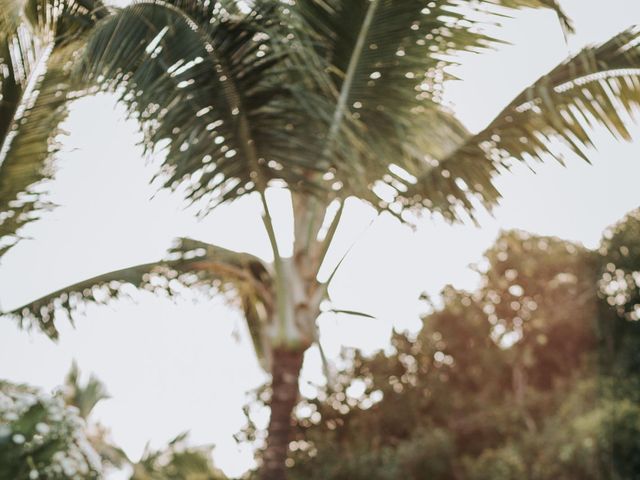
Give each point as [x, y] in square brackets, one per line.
[330, 99]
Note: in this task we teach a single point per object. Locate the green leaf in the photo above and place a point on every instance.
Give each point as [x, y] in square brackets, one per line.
[353, 312]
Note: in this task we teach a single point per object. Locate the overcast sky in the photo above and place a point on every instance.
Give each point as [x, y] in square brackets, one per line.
[186, 365]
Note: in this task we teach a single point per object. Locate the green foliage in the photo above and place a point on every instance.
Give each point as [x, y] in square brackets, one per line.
[83, 398]
[620, 283]
[42, 438]
[212, 87]
[534, 375]
[331, 98]
[177, 462]
[51, 438]
[619, 287]
[564, 105]
[501, 464]
[39, 41]
[86, 397]
[328, 98]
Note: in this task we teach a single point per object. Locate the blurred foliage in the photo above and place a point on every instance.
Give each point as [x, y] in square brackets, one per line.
[177, 462]
[42, 438]
[51, 437]
[533, 375]
[84, 398]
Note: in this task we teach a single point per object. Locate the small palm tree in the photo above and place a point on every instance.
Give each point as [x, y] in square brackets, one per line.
[84, 397]
[176, 461]
[329, 99]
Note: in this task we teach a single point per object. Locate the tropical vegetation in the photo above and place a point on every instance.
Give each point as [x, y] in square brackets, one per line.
[328, 99]
[533, 375]
[42, 437]
[53, 437]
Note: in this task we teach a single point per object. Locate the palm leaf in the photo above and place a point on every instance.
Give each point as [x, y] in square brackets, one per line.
[386, 57]
[599, 86]
[211, 88]
[38, 41]
[565, 21]
[388, 60]
[29, 141]
[344, 87]
[83, 397]
[190, 263]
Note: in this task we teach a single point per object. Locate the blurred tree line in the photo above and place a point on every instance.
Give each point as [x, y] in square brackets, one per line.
[535, 375]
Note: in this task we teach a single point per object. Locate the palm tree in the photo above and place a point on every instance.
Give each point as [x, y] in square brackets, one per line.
[330, 99]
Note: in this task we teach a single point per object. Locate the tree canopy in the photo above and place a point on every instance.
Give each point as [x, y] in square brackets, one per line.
[533, 375]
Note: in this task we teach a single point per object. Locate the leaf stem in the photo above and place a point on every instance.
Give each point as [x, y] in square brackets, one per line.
[267, 219]
[345, 89]
[281, 288]
[333, 227]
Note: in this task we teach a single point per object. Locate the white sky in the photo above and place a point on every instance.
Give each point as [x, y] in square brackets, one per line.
[186, 365]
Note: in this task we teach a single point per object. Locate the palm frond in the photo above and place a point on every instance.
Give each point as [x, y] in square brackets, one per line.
[31, 119]
[83, 397]
[599, 86]
[346, 88]
[189, 263]
[38, 42]
[565, 21]
[211, 88]
[388, 60]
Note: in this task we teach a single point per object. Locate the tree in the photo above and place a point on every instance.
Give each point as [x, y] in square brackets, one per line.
[456, 399]
[329, 99]
[514, 380]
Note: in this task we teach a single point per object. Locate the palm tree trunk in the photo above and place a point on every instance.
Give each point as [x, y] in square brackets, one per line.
[286, 365]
